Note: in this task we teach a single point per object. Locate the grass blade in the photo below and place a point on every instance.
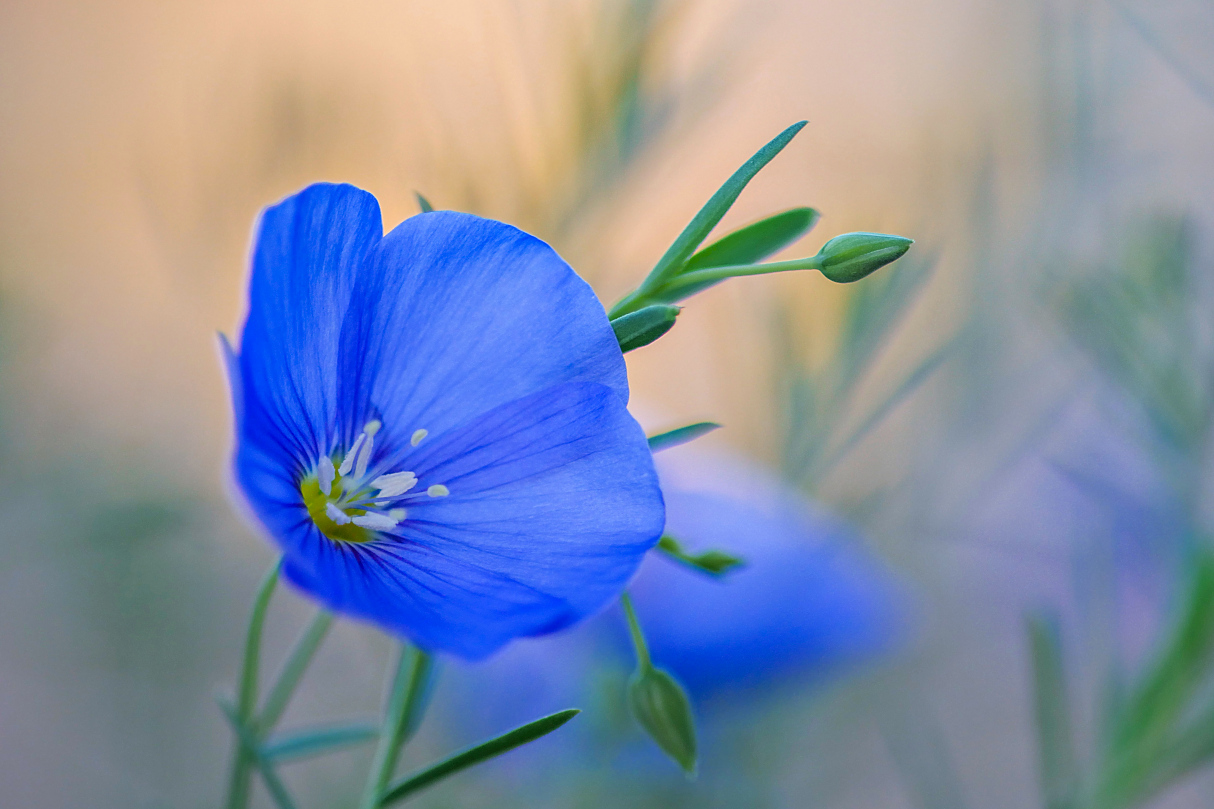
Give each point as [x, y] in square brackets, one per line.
[521, 735]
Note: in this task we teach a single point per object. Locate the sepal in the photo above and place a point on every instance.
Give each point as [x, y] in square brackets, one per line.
[642, 327]
[660, 706]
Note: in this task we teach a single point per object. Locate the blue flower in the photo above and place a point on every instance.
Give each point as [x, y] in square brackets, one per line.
[808, 600]
[432, 424]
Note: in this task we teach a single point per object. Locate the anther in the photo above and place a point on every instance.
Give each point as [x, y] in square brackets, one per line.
[336, 514]
[438, 490]
[376, 522]
[364, 453]
[395, 483]
[347, 463]
[418, 435]
[325, 473]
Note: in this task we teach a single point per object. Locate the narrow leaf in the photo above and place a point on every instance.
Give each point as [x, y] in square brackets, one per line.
[703, 222]
[642, 327]
[713, 562]
[682, 435]
[294, 745]
[475, 755]
[423, 203]
[1052, 711]
[753, 243]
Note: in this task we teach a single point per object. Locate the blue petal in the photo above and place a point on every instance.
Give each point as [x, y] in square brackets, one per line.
[553, 503]
[456, 315]
[310, 249]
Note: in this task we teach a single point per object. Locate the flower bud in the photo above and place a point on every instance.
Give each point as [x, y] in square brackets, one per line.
[642, 327]
[853, 256]
[661, 707]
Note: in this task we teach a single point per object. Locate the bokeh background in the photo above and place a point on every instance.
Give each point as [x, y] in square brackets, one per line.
[1024, 431]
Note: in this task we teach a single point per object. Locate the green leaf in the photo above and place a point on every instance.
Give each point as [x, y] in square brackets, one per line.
[702, 223]
[661, 707]
[1052, 711]
[293, 671]
[682, 435]
[642, 327]
[423, 203]
[475, 755]
[713, 562]
[294, 745]
[853, 256]
[753, 243]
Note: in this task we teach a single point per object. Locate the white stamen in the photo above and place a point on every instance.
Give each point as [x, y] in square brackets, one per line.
[372, 427]
[364, 454]
[325, 473]
[376, 522]
[394, 484]
[336, 514]
[418, 435]
[347, 463]
[438, 490]
[398, 514]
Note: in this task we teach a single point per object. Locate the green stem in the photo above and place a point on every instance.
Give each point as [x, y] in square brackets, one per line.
[240, 780]
[712, 274]
[405, 704]
[292, 671]
[638, 637]
[248, 745]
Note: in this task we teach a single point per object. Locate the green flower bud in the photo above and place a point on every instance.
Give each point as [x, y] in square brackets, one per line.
[853, 256]
[643, 326]
[663, 710]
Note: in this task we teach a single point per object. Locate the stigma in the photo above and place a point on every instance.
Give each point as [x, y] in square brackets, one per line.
[353, 501]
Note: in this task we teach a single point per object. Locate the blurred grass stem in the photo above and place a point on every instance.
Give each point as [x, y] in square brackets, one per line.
[240, 781]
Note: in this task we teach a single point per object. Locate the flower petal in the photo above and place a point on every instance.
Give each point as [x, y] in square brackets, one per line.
[456, 315]
[310, 248]
[554, 501]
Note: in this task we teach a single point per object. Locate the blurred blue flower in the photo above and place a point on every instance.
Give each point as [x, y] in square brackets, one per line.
[809, 599]
[432, 426]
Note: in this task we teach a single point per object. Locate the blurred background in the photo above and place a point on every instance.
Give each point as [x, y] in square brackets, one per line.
[1006, 437]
